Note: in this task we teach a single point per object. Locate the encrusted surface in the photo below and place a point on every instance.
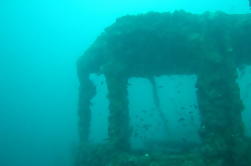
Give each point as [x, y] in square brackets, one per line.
[211, 45]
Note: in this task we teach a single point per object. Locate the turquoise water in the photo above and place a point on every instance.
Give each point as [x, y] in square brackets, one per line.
[40, 42]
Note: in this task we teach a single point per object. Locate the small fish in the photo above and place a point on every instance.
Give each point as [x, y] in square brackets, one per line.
[146, 127]
[183, 139]
[181, 119]
[141, 119]
[144, 111]
[136, 134]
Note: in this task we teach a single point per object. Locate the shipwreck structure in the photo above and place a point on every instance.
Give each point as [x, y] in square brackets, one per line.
[211, 45]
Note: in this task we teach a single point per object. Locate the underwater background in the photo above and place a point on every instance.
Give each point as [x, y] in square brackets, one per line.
[40, 42]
